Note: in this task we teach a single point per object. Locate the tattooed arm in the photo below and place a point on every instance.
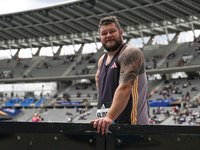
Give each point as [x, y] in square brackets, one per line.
[131, 62]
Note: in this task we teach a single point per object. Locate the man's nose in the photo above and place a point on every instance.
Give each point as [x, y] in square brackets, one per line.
[108, 34]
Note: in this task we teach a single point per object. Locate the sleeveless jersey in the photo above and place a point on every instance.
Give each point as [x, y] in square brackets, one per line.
[34, 119]
[136, 111]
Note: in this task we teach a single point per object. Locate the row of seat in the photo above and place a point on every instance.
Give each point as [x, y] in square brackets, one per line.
[26, 102]
[57, 68]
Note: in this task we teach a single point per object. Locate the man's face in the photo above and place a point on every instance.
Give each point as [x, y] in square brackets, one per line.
[111, 37]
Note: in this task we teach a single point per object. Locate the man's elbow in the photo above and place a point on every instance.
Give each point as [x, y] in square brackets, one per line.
[97, 82]
[96, 79]
[126, 87]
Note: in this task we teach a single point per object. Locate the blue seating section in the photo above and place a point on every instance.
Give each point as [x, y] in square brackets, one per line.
[12, 102]
[40, 101]
[27, 102]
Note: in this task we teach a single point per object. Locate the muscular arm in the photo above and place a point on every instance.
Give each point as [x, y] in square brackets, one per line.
[98, 72]
[131, 62]
[97, 79]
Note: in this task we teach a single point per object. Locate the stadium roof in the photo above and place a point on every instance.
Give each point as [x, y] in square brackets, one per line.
[76, 21]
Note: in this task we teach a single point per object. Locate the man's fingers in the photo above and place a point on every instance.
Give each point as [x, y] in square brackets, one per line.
[99, 126]
[95, 123]
[106, 128]
[102, 128]
[92, 121]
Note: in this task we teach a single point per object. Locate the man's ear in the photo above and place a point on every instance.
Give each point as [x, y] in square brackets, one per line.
[121, 32]
[100, 38]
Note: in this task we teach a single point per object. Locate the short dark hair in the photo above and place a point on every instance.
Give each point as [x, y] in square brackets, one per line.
[108, 20]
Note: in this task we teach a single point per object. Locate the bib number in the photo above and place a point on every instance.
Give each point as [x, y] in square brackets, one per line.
[102, 112]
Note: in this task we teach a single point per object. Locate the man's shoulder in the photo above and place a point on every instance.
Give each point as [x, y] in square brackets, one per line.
[130, 52]
[130, 48]
[101, 60]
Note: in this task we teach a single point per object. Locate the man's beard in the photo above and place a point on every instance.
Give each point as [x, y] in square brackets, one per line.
[114, 47]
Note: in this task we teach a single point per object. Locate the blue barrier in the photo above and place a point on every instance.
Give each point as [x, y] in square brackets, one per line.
[164, 102]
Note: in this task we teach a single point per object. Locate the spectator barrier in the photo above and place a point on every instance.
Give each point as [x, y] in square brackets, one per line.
[55, 136]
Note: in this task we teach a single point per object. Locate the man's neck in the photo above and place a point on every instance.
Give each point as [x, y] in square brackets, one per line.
[112, 53]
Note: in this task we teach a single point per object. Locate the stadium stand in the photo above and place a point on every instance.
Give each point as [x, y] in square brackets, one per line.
[50, 67]
[40, 102]
[86, 117]
[176, 87]
[17, 67]
[84, 88]
[194, 50]
[183, 50]
[26, 102]
[159, 114]
[156, 53]
[80, 65]
[12, 102]
[83, 64]
[57, 115]
[80, 92]
[26, 115]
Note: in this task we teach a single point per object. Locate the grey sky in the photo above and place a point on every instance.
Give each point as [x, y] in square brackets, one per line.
[10, 6]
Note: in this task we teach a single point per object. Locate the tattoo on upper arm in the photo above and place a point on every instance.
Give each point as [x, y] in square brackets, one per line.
[132, 64]
[142, 68]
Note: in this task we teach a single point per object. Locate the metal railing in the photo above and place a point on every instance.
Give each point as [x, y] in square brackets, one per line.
[55, 136]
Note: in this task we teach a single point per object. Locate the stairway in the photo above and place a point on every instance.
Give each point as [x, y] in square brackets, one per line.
[35, 61]
[173, 49]
[195, 97]
[71, 66]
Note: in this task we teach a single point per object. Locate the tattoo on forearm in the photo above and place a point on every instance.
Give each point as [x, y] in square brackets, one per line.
[124, 77]
[132, 64]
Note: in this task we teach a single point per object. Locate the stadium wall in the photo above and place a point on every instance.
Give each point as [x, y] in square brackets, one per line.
[51, 136]
[20, 89]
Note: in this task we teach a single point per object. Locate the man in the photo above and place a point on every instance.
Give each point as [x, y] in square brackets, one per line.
[120, 79]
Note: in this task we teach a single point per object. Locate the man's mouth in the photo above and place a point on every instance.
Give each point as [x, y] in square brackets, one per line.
[110, 40]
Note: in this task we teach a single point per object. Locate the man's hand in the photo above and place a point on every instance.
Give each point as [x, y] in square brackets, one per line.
[102, 124]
